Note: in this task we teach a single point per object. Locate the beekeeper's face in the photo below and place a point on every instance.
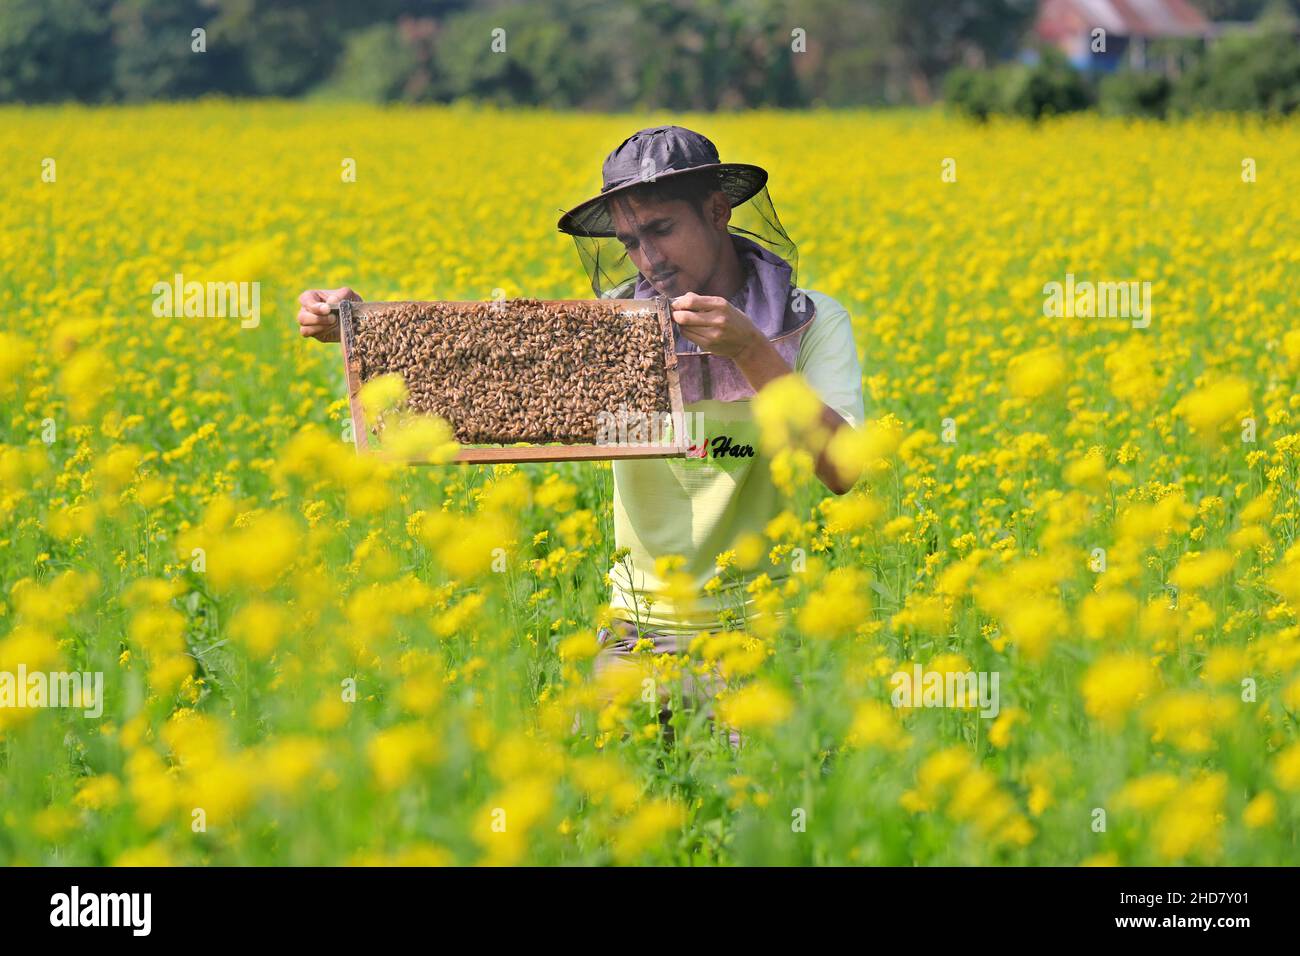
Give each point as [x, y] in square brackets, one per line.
[674, 243]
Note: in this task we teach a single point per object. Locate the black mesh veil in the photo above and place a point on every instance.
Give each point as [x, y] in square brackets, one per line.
[613, 274]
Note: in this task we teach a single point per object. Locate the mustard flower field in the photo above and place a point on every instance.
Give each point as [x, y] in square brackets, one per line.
[314, 657]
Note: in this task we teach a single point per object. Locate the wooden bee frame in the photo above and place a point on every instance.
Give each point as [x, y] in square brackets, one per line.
[350, 313]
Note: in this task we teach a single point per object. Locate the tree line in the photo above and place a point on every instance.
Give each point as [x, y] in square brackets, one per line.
[584, 54]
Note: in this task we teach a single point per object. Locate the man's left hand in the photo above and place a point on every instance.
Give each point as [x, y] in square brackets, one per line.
[714, 324]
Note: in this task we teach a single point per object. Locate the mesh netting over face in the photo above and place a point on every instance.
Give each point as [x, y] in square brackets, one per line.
[613, 274]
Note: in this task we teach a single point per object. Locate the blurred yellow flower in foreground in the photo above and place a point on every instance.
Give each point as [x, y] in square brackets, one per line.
[382, 393]
[1114, 686]
[1286, 768]
[647, 828]
[1202, 570]
[420, 438]
[839, 606]
[755, 706]
[876, 724]
[788, 413]
[1037, 373]
[1210, 408]
[397, 752]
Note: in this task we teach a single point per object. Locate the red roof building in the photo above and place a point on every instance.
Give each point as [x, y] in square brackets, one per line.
[1128, 27]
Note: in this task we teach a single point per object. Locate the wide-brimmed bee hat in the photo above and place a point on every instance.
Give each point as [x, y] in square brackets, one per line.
[654, 155]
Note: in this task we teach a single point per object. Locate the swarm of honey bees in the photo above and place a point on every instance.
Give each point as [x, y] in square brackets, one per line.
[518, 370]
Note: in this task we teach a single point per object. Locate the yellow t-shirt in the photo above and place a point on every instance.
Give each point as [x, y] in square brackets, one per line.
[698, 507]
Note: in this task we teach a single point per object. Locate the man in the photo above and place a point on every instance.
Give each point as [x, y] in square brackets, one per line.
[667, 222]
[668, 202]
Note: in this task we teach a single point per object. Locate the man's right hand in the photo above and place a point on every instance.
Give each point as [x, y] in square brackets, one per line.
[315, 321]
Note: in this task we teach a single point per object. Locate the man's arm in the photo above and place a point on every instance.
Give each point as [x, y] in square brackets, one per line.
[760, 364]
[711, 322]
